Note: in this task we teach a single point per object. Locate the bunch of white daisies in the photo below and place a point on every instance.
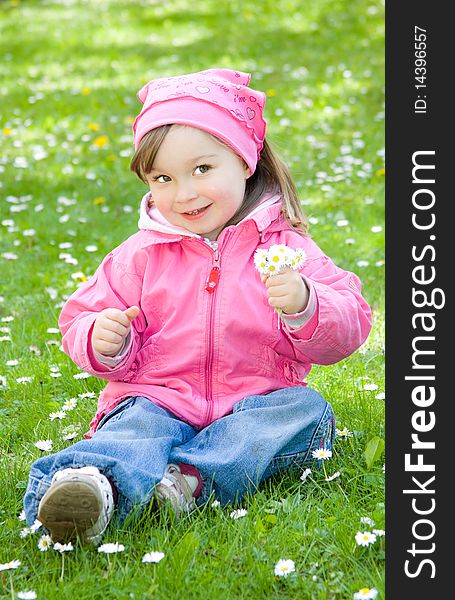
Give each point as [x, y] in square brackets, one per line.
[273, 260]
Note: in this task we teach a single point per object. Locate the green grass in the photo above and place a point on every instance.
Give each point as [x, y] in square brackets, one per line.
[321, 64]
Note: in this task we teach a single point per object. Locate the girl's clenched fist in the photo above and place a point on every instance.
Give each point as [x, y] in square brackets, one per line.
[287, 291]
[112, 325]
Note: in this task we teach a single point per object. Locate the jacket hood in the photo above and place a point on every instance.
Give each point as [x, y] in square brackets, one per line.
[151, 219]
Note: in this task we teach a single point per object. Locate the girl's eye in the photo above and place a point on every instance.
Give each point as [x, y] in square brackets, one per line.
[203, 168]
[158, 178]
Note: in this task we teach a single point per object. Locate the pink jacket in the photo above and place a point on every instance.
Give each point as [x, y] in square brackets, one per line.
[195, 348]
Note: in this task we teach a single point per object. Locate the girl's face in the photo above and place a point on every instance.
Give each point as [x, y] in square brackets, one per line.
[197, 182]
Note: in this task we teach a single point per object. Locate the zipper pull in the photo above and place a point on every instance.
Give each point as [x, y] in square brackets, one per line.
[212, 280]
[214, 274]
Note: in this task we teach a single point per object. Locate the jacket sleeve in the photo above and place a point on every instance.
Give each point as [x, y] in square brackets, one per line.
[338, 318]
[111, 286]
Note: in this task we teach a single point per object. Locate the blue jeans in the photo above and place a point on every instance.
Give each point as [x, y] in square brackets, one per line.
[137, 439]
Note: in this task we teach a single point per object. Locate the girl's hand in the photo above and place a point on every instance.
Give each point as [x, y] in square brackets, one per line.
[112, 325]
[287, 291]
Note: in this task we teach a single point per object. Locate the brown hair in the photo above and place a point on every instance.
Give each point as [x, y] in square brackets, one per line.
[271, 175]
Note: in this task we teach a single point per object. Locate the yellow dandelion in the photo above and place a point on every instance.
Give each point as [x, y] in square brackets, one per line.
[99, 200]
[93, 126]
[85, 91]
[101, 141]
[7, 131]
[380, 172]
[271, 92]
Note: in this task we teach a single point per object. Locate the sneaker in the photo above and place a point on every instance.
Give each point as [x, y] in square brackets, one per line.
[179, 489]
[78, 503]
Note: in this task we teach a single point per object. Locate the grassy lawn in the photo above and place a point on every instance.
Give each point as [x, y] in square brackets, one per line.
[69, 74]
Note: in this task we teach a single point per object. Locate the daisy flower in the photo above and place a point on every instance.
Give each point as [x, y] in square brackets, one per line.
[305, 474]
[284, 567]
[63, 547]
[24, 532]
[379, 532]
[237, 514]
[322, 453]
[261, 261]
[153, 557]
[45, 445]
[215, 504]
[334, 476]
[44, 543]
[367, 521]
[370, 387]
[366, 593]
[111, 548]
[21, 516]
[13, 564]
[30, 595]
[365, 538]
[343, 433]
[35, 526]
[59, 414]
[69, 404]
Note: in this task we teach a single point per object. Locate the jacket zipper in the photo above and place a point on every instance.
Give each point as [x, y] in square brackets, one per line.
[210, 287]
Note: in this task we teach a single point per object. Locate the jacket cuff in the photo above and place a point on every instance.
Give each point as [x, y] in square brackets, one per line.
[306, 321]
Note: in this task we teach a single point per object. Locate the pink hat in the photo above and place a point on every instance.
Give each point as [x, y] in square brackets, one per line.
[216, 100]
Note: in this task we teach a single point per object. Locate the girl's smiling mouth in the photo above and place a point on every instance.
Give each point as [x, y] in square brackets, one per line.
[195, 214]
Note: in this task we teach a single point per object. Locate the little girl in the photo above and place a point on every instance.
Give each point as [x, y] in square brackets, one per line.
[206, 395]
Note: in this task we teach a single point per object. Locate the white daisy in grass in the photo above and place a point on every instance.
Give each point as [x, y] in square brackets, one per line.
[87, 394]
[366, 593]
[24, 380]
[367, 521]
[44, 543]
[365, 538]
[59, 414]
[29, 595]
[322, 453]
[70, 432]
[239, 513]
[380, 396]
[153, 557]
[215, 504]
[52, 330]
[69, 404]
[370, 387]
[334, 476]
[21, 516]
[12, 564]
[304, 476]
[35, 526]
[343, 433]
[111, 548]
[284, 567]
[24, 532]
[12, 363]
[63, 547]
[379, 532]
[83, 376]
[44, 445]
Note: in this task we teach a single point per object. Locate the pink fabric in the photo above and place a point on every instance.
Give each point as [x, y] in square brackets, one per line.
[218, 101]
[197, 353]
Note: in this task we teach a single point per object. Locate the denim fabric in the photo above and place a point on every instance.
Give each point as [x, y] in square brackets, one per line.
[135, 441]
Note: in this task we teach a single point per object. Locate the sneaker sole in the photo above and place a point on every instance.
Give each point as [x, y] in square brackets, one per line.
[69, 508]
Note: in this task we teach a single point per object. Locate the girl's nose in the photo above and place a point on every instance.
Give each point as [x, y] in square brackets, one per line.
[185, 192]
